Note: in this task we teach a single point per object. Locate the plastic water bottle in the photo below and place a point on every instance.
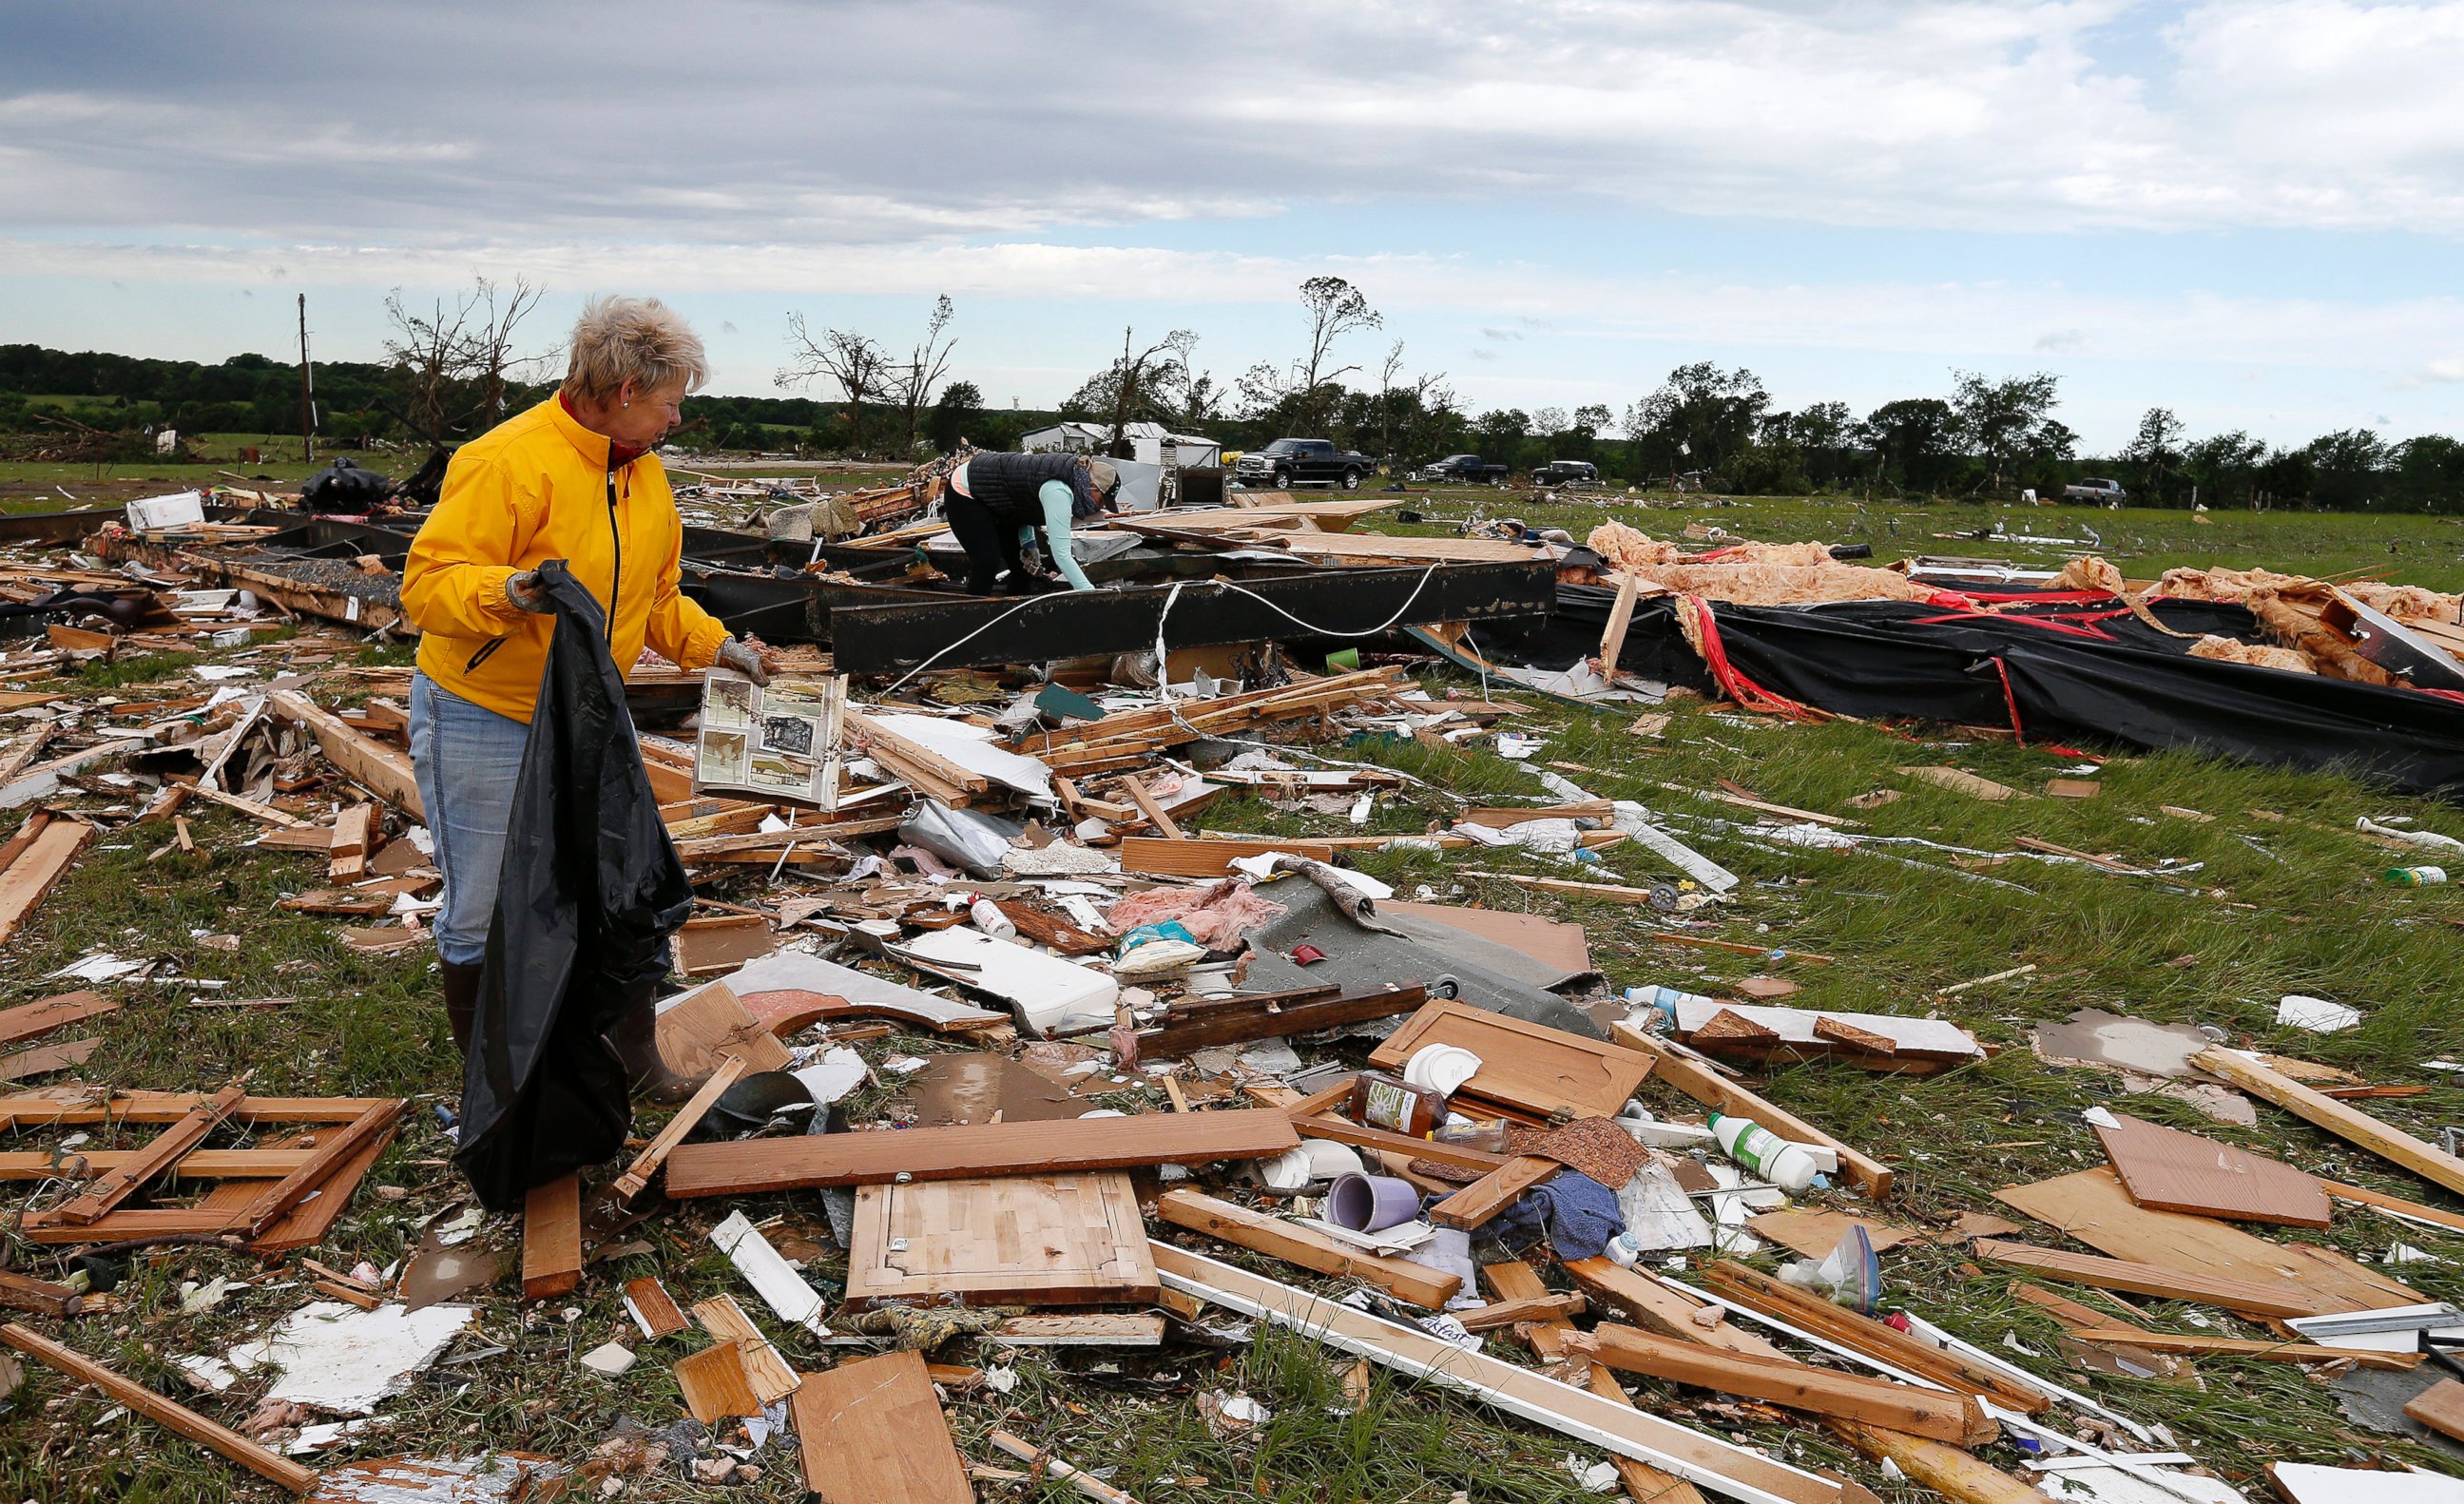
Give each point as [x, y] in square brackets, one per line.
[1764, 1152]
[2417, 876]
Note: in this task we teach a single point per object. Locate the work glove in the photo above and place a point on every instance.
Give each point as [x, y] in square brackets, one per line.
[746, 659]
[526, 592]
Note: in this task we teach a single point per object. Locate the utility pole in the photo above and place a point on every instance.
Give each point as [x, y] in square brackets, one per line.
[307, 392]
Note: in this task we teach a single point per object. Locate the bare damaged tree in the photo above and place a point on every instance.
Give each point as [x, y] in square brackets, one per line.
[1298, 395]
[853, 361]
[452, 367]
[923, 370]
[1132, 375]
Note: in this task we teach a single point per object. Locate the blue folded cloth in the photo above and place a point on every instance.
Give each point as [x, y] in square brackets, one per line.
[1577, 1214]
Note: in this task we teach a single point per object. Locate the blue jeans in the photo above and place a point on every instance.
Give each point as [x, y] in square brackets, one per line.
[467, 759]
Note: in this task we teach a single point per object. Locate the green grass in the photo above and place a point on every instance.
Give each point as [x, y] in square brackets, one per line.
[2284, 905]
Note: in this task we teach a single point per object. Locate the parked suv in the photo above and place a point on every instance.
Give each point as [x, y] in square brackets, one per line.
[1567, 473]
[2105, 491]
[1462, 469]
[1289, 462]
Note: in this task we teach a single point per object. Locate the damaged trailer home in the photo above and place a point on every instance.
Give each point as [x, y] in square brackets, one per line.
[1058, 1054]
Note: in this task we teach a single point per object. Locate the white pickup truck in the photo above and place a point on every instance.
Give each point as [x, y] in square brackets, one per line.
[2107, 492]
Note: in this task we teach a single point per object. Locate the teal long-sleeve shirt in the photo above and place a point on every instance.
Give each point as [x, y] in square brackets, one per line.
[1055, 496]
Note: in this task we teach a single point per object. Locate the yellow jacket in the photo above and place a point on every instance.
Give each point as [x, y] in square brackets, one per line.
[536, 487]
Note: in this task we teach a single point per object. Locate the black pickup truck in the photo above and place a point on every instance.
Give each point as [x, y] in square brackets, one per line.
[1289, 462]
[1577, 472]
[1461, 470]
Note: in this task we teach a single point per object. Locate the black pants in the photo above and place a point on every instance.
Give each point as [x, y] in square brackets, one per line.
[991, 542]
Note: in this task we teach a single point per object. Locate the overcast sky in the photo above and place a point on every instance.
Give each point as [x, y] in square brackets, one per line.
[2249, 212]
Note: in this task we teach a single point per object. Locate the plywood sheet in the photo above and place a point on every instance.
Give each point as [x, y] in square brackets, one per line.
[872, 1432]
[1816, 1234]
[1030, 1239]
[2169, 1170]
[716, 1385]
[1526, 1065]
[965, 1153]
[1552, 942]
[2092, 1206]
[694, 1033]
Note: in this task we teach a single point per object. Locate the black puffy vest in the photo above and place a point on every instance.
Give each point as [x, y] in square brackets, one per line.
[1005, 485]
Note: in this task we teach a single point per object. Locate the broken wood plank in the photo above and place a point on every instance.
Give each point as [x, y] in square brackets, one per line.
[28, 1020]
[1158, 856]
[157, 1158]
[1361, 1135]
[698, 1031]
[872, 1432]
[1513, 1282]
[2146, 1279]
[326, 1172]
[716, 1385]
[2364, 1196]
[33, 875]
[1718, 1093]
[1484, 1199]
[2440, 1407]
[768, 1373]
[977, 1150]
[1961, 782]
[1514, 1313]
[1693, 1455]
[636, 1177]
[2325, 1112]
[2200, 1345]
[1261, 1233]
[652, 1308]
[41, 1296]
[1041, 1461]
[354, 842]
[44, 1059]
[1886, 1345]
[380, 769]
[1943, 1416]
[552, 1238]
[145, 1402]
[1240, 1020]
[2169, 1170]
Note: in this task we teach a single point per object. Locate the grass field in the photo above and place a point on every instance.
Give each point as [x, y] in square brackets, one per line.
[2284, 896]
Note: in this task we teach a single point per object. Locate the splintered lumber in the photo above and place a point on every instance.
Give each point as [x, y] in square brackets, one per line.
[28, 1020]
[2325, 1112]
[872, 1432]
[1361, 1135]
[1163, 857]
[155, 1158]
[2193, 1344]
[1943, 1416]
[1529, 1066]
[1809, 1313]
[353, 841]
[1040, 1460]
[325, 1173]
[41, 864]
[73, 1104]
[1485, 1198]
[697, 1031]
[1961, 782]
[973, 1150]
[2364, 1196]
[1690, 1454]
[636, 1177]
[1513, 1282]
[1948, 1470]
[42, 1297]
[1259, 1233]
[654, 1311]
[2148, 1279]
[382, 770]
[768, 1373]
[1613, 893]
[552, 1238]
[1514, 1313]
[2169, 1170]
[1240, 1020]
[226, 1443]
[1718, 1093]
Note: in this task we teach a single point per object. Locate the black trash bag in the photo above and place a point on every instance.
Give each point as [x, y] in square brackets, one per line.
[342, 489]
[590, 891]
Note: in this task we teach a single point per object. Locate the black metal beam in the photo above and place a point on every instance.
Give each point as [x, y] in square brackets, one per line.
[977, 631]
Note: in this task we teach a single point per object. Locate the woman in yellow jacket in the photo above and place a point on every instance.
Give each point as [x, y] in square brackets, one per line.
[572, 478]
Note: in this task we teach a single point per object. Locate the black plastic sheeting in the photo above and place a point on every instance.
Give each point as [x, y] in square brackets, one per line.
[2059, 670]
[590, 891]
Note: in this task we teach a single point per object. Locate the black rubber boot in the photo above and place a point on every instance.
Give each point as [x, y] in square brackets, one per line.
[636, 1038]
[461, 1002]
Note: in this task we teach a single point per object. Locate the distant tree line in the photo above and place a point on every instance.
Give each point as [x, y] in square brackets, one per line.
[449, 373]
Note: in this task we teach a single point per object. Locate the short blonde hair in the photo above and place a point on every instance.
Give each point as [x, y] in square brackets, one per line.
[640, 340]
